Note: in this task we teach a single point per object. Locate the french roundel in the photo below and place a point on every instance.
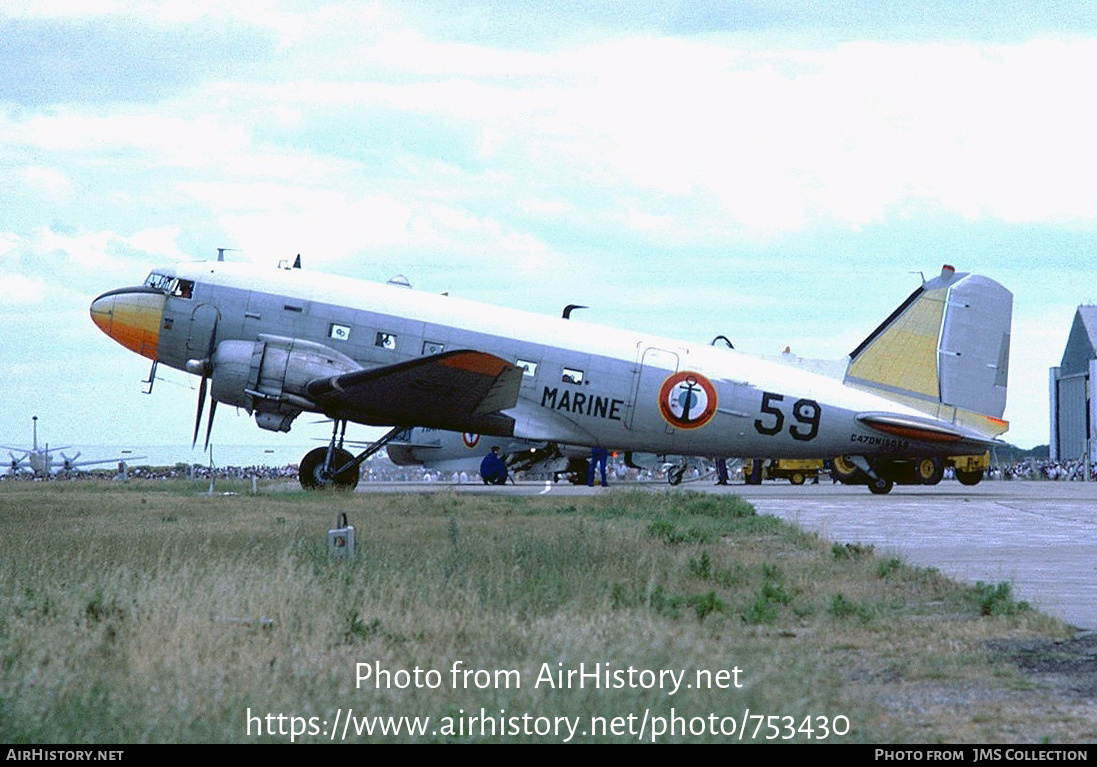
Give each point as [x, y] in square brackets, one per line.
[687, 400]
[470, 438]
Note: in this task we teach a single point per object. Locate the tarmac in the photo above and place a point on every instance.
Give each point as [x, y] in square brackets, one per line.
[1039, 536]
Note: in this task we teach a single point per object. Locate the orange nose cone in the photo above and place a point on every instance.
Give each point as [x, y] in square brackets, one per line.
[131, 318]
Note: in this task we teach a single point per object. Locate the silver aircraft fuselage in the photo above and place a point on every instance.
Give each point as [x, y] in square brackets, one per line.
[581, 384]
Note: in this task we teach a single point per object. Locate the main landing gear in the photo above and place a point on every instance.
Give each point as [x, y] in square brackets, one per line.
[335, 467]
[882, 474]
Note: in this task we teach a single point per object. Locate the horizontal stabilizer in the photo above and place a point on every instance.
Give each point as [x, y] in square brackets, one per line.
[458, 390]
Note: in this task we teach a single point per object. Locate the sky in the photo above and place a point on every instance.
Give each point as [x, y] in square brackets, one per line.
[777, 172]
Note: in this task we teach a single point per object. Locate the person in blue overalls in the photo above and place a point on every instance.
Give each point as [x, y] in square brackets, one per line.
[598, 457]
[493, 469]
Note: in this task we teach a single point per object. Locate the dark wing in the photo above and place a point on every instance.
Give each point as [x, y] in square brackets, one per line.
[459, 390]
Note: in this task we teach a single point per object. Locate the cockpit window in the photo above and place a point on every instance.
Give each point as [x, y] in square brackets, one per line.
[183, 288]
[170, 285]
[159, 281]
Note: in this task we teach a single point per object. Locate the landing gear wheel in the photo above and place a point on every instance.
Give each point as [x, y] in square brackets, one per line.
[880, 485]
[674, 476]
[845, 471]
[312, 474]
[969, 477]
[579, 469]
[796, 478]
[929, 470]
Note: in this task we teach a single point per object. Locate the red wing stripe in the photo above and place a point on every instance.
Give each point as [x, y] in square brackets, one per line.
[911, 429]
[476, 362]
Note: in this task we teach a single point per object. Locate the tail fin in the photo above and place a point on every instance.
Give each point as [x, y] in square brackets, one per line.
[944, 351]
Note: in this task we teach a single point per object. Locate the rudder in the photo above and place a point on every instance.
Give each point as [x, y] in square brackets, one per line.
[944, 351]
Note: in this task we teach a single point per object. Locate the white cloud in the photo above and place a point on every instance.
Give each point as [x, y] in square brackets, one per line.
[269, 219]
[782, 138]
[19, 290]
[49, 181]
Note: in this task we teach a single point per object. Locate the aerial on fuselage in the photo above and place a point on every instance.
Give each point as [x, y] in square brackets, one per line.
[925, 388]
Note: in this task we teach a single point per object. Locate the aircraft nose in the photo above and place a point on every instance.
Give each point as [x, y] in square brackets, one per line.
[131, 316]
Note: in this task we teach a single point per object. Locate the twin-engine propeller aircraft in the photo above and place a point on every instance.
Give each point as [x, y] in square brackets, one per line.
[929, 383]
[41, 461]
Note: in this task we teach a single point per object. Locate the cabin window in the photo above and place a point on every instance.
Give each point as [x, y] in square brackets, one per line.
[386, 341]
[339, 332]
[528, 368]
[433, 347]
[572, 376]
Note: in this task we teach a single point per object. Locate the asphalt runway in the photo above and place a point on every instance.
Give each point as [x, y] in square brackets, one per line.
[1039, 536]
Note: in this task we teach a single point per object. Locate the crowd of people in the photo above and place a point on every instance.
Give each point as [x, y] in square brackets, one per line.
[1040, 469]
[496, 473]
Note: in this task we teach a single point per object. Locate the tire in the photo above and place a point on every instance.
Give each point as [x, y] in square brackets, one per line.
[796, 478]
[929, 471]
[579, 469]
[313, 477]
[880, 485]
[846, 471]
[674, 476]
[969, 478]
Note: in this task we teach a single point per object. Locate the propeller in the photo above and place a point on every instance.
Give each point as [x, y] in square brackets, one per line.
[204, 368]
[69, 461]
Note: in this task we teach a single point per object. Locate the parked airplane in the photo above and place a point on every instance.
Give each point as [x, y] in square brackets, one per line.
[41, 461]
[929, 382]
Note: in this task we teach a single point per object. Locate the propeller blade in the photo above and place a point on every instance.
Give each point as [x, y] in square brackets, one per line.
[201, 404]
[209, 424]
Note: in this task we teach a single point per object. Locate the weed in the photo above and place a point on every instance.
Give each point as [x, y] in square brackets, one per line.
[852, 550]
[760, 611]
[664, 605]
[702, 568]
[888, 567]
[842, 608]
[706, 604]
[358, 629]
[774, 592]
[997, 600]
[451, 529]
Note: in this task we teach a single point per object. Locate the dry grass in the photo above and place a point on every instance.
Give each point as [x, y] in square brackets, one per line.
[151, 613]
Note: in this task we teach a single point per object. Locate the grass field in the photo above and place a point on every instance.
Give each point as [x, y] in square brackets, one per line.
[150, 612]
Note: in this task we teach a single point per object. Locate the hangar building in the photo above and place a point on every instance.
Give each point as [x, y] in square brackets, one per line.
[1072, 410]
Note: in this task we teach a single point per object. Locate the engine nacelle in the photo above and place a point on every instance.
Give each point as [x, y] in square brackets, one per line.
[267, 377]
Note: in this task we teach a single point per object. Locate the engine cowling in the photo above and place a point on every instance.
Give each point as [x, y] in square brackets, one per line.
[267, 377]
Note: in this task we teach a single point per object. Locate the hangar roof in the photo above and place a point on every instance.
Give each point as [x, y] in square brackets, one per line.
[1081, 343]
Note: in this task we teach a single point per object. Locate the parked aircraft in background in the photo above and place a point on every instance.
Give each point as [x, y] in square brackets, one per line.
[42, 461]
[929, 383]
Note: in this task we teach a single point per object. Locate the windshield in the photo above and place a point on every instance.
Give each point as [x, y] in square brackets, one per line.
[170, 285]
